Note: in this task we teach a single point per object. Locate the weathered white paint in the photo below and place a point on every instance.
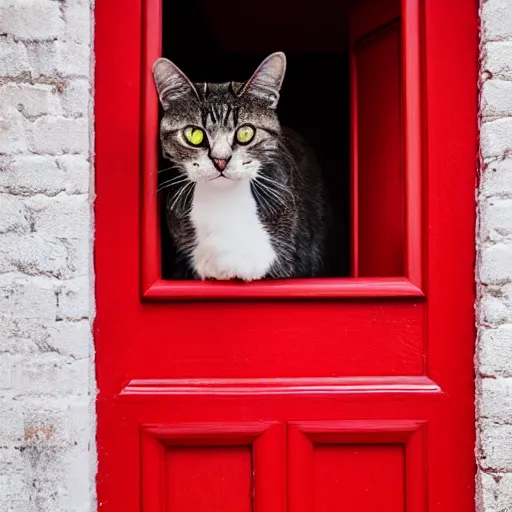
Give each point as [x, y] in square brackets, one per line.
[47, 388]
[494, 264]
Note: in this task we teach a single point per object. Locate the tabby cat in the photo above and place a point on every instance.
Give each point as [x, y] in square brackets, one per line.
[247, 200]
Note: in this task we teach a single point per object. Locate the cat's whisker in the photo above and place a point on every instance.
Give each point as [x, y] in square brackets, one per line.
[264, 202]
[272, 193]
[270, 180]
[167, 169]
[186, 198]
[272, 199]
[268, 205]
[275, 183]
[178, 194]
[290, 198]
[176, 178]
[171, 183]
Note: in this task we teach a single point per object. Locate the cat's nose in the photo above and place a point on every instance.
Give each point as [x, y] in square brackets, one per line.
[220, 164]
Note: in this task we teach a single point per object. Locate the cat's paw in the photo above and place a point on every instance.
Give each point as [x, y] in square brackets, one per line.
[244, 265]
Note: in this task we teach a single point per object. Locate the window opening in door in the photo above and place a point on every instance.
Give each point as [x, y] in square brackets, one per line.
[224, 41]
[354, 73]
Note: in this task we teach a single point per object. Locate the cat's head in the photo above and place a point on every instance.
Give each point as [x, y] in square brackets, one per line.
[219, 133]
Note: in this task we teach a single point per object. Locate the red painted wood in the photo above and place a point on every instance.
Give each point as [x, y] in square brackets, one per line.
[357, 465]
[380, 189]
[371, 363]
[213, 466]
[358, 477]
[385, 196]
[415, 117]
[151, 43]
[387, 126]
[250, 387]
[209, 479]
[370, 338]
[284, 289]
[354, 165]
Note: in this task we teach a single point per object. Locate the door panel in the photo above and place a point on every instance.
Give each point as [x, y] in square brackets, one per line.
[211, 466]
[358, 477]
[209, 479]
[357, 466]
[285, 340]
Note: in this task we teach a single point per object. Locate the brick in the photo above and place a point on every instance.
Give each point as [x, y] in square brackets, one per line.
[494, 351]
[31, 19]
[41, 174]
[74, 299]
[495, 401]
[496, 179]
[496, 491]
[496, 98]
[498, 60]
[30, 100]
[75, 58]
[45, 59]
[495, 311]
[506, 294]
[50, 374]
[496, 137]
[11, 426]
[496, 263]
[10, 458]
[78, 170]
[76, 97]
[66, 58]
[27, 175]
[496, 449]
[57, 135]
[78, 250]
[70, 338]
[14, 59]
[21, 336]
[12, 131]
[63, 216]
[27, 297]
[34, 254]
[78, 20]
[48, 424]
[10, 372]
[496, 219]
[70, 449]
[496, 17]
[13, 486]
[48, 442]
[13, 216]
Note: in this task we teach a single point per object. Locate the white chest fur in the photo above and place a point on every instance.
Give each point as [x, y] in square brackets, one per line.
[231, 241]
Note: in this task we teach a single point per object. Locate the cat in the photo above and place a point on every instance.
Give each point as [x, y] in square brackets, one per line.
[247, 200]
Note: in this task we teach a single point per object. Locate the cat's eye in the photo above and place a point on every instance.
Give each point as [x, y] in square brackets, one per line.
[245, 134]
[194, 136]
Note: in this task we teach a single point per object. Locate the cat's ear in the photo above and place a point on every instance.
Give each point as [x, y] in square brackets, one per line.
[171, 83]
[268, 79]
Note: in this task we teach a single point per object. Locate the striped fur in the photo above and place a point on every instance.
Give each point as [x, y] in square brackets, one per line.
[266, 214]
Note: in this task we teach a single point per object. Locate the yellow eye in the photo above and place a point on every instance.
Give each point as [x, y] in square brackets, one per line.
[245, 134]
[194, 136]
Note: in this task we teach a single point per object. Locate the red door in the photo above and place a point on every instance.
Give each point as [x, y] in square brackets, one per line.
[352, 393]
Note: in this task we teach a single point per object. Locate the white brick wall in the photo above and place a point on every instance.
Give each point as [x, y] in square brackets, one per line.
[47, 449]
[494, 265]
